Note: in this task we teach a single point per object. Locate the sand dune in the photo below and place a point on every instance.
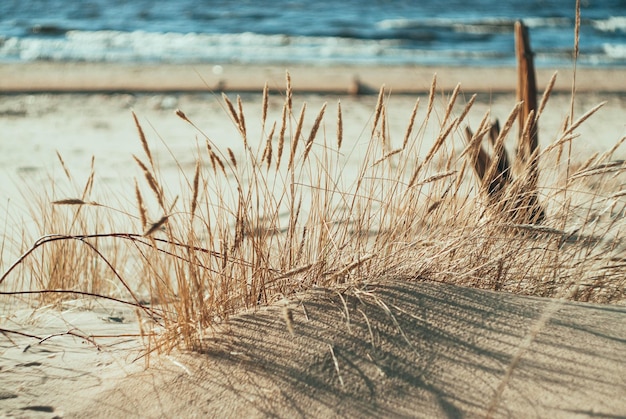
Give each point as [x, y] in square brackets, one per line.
[395, 348]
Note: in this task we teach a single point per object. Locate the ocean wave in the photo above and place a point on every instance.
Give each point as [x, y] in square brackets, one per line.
[393, 31]
[615, 51]
[141, 46]
[190, 47]
[612, 24]
[107, 46]
[477, 25]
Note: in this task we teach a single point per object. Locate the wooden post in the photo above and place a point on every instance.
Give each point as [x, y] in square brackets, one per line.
[527, 208]
[526, 92]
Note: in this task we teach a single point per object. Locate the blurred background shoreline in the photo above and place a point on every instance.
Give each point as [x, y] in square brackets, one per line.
[69, 77]
[287, 32]
[155, 56]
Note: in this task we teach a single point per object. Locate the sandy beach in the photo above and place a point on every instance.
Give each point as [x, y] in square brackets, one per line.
[109, 77]
[84, 110]
[456, 343]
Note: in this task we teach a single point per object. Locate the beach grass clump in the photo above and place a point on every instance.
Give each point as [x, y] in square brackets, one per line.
[281, 214]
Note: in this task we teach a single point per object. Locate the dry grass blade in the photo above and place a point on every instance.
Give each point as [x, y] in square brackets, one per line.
[546, 95]
[65, 169]
[618, 194]
[583, 118]
[152, 182]
[281, 136]
[210, 153]
[586, 164]
[528, 162]
[609, 153]
[431, 97]
[289, 93]
[301, 246]
[215, 158]
[267, 153]
[313, 133]
[231, 110]
[466, 110]
[242, 120]
[484, 128]
[339, 126]
[439, 142]
[528, 153]
[387, 156]
[142, 138]
[565, 138]
[231, 156]
[509, 122]
[265, 105]
[568, 133]
[437, 177]
[70, 201]
[383, 129]
[599, 169]
[536, 228]
[143, 217]
[156, 226]
[379, 109]
[195, 189]
[89, 183]
[336, 364]
[173, 205]
[182, 115]
[451, 102]
[296, 137]
[409, 128]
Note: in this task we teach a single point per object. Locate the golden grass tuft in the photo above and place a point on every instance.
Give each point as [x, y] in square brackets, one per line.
[247, 230]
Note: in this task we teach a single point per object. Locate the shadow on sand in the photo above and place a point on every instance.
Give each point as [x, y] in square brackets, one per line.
[400, 348]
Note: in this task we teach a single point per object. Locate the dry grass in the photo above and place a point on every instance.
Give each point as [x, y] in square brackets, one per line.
[253, 228]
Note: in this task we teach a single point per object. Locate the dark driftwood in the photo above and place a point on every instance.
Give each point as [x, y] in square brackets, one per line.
[516, 199]
[494, 182]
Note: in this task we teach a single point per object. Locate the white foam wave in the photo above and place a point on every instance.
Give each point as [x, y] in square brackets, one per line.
[615, 51]
[191, 47]
[113, 46]
[479, 25]
[547, 22]
[139, 46]
[612, 24]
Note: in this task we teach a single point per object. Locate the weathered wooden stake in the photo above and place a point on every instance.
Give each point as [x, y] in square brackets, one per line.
[527, 93]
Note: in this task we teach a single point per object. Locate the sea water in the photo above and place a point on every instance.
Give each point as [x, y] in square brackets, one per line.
[383, 32]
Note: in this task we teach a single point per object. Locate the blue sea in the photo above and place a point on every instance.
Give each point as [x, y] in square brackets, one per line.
[384, 32]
